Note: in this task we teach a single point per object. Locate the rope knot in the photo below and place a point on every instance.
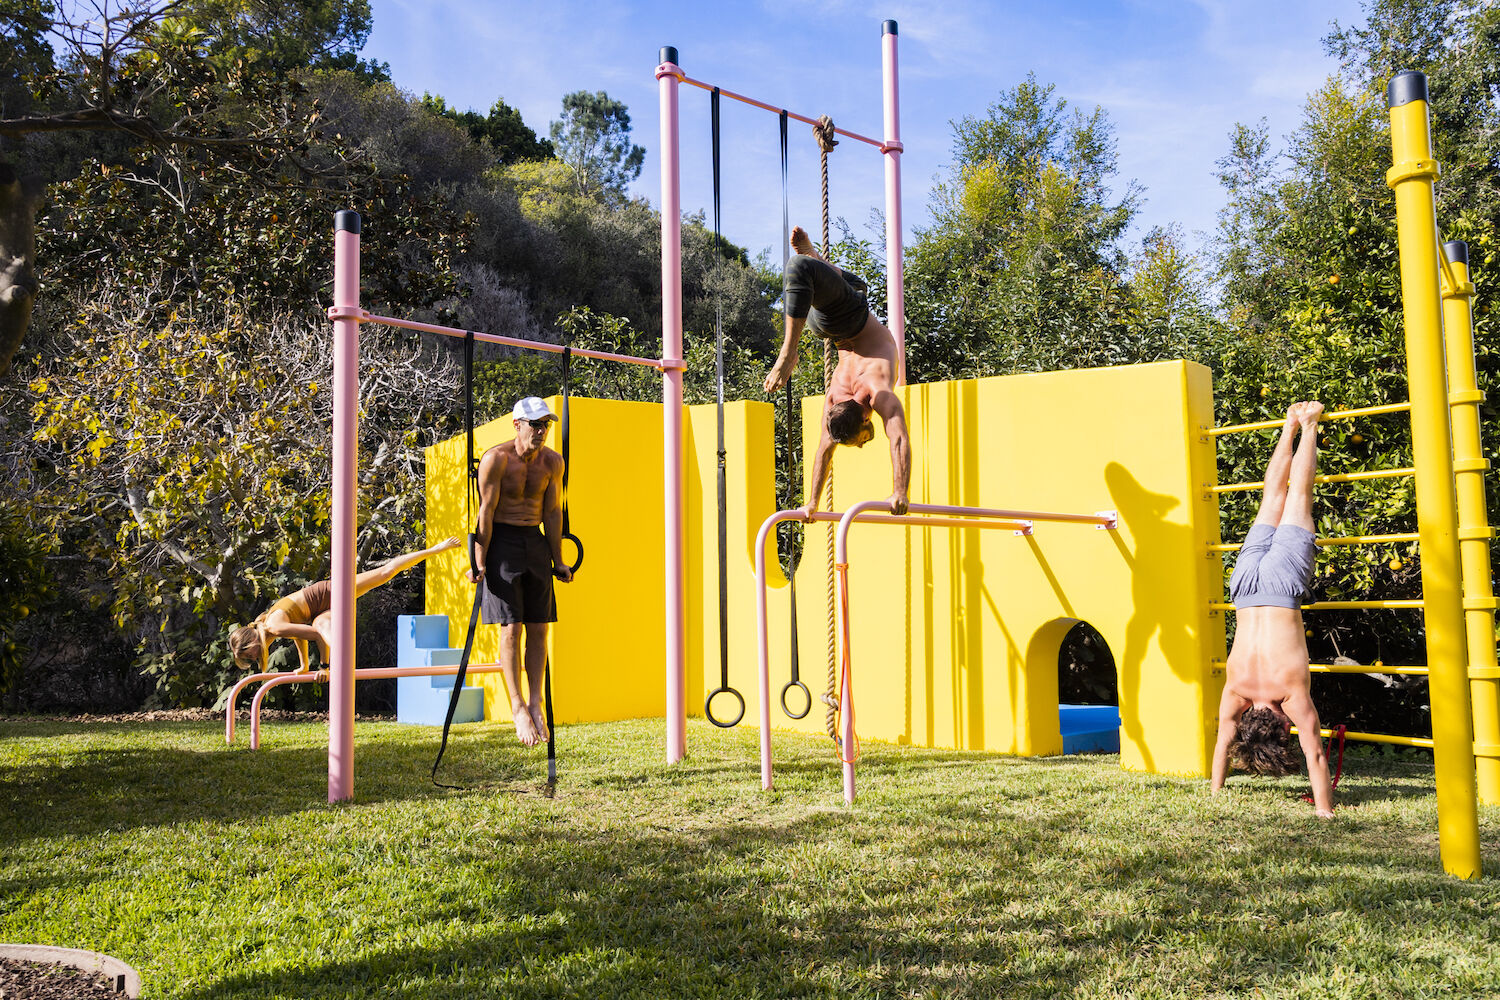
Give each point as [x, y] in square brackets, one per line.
[823, 132]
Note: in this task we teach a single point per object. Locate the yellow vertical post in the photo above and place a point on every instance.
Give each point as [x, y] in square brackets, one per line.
[1411, 177]
[1474, 531]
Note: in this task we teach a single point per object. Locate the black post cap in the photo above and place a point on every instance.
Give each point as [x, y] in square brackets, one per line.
[888, 28]
[1457, 252]
[346, 222]
[668, 55]
[1404, 88]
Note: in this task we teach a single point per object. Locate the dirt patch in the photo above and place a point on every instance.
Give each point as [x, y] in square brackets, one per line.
[48, 981]
[192, 715]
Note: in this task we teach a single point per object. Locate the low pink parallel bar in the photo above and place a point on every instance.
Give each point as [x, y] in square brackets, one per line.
[1104, 519]
[495, 338]
[1021, 522]
[1020, 527]
[278, 678]
[772, 108]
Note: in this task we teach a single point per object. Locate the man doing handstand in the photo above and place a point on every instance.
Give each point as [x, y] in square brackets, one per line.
[1267, 685]
[831, 303]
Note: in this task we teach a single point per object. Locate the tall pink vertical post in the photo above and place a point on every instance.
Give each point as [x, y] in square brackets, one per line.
[668, 76]
[345, 440]
[891, 147]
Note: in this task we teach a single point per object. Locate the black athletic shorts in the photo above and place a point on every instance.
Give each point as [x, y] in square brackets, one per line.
[831, 299]
[517, 577]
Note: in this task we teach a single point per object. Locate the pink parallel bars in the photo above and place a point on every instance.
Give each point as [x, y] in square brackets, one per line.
[321, 677]
[921, 515]
[668, 76]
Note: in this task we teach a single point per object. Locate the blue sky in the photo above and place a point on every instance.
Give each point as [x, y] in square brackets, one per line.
[1173, 75]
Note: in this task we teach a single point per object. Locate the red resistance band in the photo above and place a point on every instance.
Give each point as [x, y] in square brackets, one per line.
[1337, 731]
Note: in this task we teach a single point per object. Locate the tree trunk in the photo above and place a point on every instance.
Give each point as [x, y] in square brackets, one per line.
[19, 200]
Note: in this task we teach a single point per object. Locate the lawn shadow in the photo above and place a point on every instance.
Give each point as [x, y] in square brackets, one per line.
[89, 791]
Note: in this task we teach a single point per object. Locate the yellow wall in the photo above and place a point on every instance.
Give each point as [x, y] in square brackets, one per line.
[955, 631]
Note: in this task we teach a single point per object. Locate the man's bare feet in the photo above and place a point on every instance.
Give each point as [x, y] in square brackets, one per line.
[803, 244]
[539, 719]
[525, 728]
[780, 373]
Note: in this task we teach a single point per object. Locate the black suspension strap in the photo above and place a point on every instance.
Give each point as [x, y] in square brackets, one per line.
[723, 484]
[567, 523]
[790, 566]
[471, 491]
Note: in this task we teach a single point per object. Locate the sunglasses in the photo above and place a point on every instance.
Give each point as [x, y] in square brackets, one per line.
[540, 425]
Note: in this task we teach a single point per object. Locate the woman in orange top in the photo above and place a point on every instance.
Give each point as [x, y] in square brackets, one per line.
[306, 616]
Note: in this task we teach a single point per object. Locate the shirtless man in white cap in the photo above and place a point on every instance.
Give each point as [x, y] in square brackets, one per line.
[518, 547]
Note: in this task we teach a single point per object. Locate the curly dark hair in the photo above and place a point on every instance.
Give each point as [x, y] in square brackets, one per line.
[1260, 744]
[845, 420]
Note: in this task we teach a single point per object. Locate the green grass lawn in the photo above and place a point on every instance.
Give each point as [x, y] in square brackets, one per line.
[222, 872]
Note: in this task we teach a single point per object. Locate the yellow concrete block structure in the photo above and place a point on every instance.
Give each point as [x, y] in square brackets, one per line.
[955, 631]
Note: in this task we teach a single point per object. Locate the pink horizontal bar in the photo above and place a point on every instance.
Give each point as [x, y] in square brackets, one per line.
[494, 338]
[790, 114]
[321, 677]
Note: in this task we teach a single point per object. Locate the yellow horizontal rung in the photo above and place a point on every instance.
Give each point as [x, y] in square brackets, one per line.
[1345, 540]
[1404, 741]
[1484, 673]
[1487, 749]
[1363, 668]
[1461, 396]
[1336, 605]
[1266, 425]
[1337, 477]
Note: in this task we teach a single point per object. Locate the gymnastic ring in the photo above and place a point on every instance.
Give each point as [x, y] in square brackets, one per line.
[709, 712]
[569, 537]
[805, 692]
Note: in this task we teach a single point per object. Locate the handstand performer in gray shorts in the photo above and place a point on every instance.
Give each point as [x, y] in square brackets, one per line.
[831, 303]
[1267, 685]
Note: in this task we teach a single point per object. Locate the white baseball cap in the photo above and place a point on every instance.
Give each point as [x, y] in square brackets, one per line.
[532, 408]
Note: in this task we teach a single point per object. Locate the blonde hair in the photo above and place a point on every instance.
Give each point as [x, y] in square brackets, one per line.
[247, 644]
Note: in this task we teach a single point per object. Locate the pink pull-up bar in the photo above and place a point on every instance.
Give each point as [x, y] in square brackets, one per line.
[921, 515]
[361, 316]
[347, 315]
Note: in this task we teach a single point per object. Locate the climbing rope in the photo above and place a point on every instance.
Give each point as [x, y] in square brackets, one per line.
[823, 133]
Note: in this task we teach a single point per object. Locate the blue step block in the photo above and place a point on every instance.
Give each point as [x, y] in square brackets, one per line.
[1089, 728]
[422, 641]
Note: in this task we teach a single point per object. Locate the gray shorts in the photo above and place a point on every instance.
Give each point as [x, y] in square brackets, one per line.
[1274, 567]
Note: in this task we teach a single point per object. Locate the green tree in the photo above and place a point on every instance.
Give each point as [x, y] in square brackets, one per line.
[503, 131]
[186, 464]
[1311, 286]
[147, 75]
[593, 138]
[1022, 267]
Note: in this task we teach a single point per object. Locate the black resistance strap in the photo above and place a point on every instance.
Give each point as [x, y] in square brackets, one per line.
[790, 566]
[471, 492]
[723, 486]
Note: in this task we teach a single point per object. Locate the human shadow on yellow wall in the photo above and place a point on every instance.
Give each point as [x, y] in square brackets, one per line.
[1153, 582]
